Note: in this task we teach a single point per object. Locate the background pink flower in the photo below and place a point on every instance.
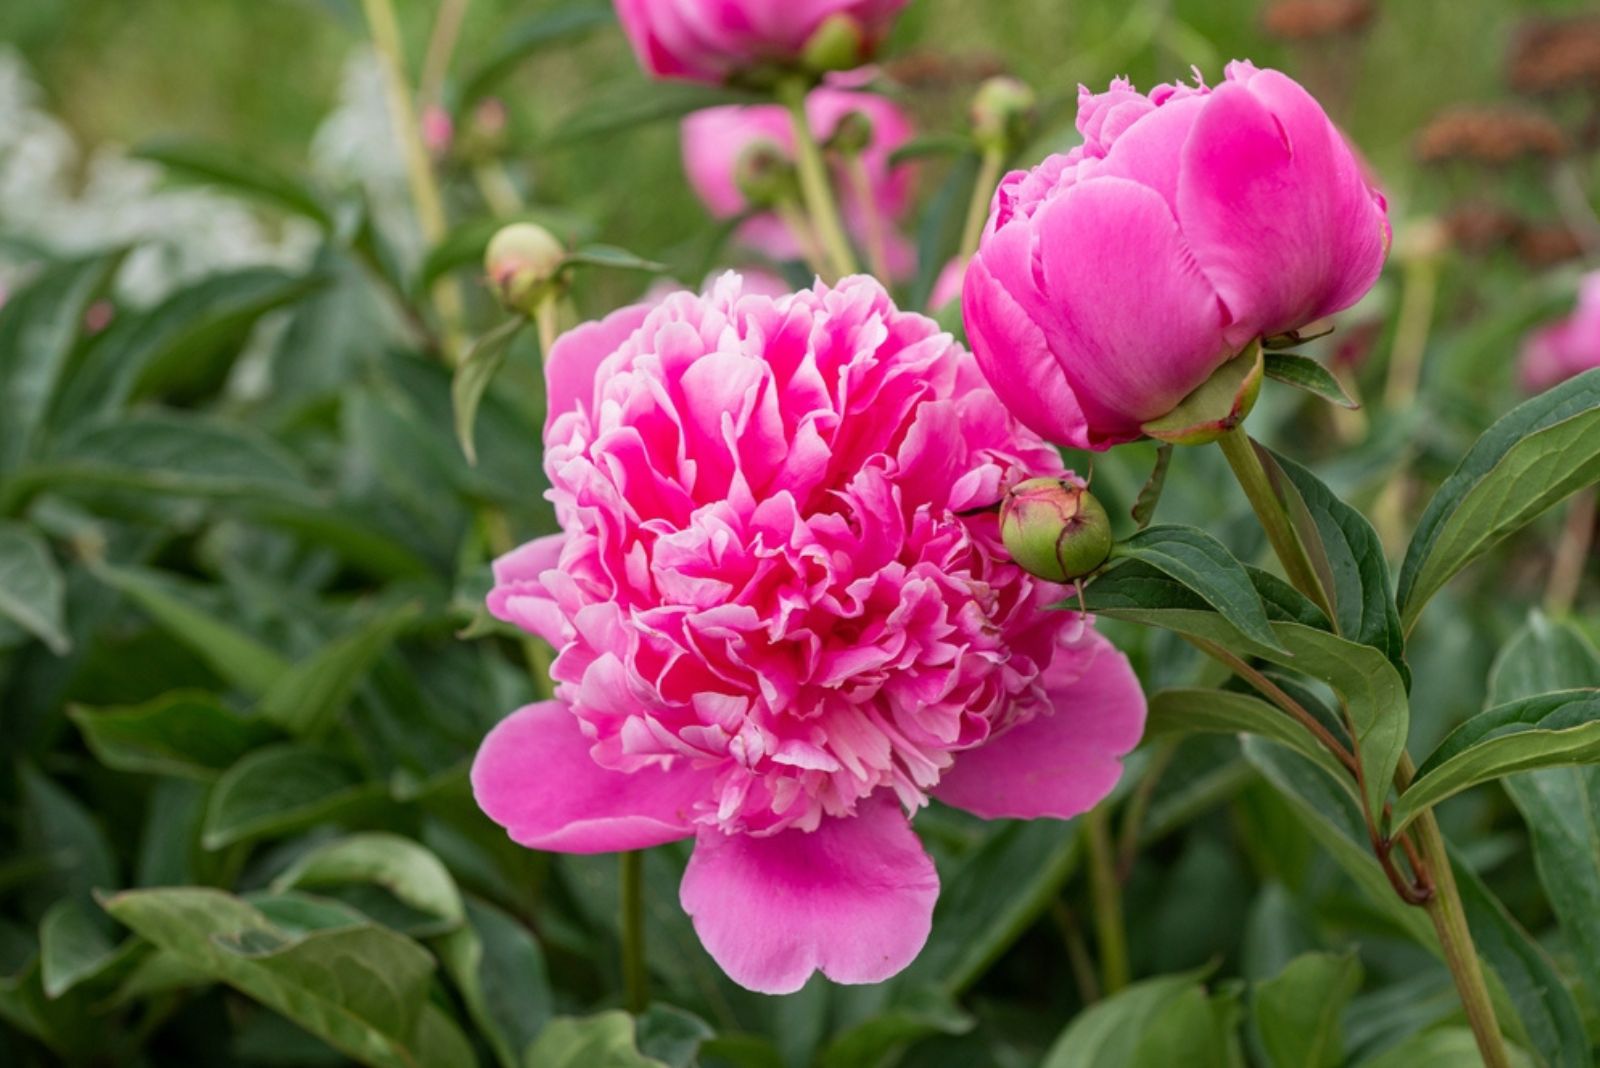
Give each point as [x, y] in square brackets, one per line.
[715, 139]
[711, 40]
[1113, 280]
[1555, 352]
[778, 631]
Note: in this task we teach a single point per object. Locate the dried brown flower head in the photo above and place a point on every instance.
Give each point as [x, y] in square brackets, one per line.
[1299, 20]
[1551, 55]
[1478, 227]
[1547, 244]
[1491, 135]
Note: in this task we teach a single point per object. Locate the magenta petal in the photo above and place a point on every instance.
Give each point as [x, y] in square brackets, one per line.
[852, 899]
[570, 366]
[1060, 764]
[534, 776]
[1276, 209]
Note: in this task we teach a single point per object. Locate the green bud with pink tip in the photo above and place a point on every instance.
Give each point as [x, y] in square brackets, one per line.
[1054, 529]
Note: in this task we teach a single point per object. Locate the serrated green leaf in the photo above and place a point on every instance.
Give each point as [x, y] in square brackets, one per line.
[279, 790]
[500, 970]
[1297, 1012]
[361, 989]
[32, 591]
[1180, 712]
[1302, 372]
[1551, 730]
[1108, 1033]
[1205, 566]
[402, 867]
[1544, 450]
[605, 1040]
[184, 733]
[473, 376]
[307, 698]
[226, 168]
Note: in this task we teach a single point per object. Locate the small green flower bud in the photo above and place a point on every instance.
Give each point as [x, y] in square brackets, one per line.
[839, 43]
[523, 260]
[1054, 529]
[852, 135]
[765, 175]
[1003, 113]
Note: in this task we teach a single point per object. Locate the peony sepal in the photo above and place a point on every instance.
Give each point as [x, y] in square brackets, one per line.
[1218, 405]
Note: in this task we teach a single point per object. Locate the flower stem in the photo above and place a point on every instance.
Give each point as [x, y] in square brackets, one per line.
[1566, 573]
[982, 194]
[635, 979]
[1241, 453]
[861, 185]
[1106, 895]
[1450, 922]
[441, 46]
[794, 217]
[815, 185]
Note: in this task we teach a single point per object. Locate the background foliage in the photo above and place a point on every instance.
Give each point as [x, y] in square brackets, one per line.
[239, 547]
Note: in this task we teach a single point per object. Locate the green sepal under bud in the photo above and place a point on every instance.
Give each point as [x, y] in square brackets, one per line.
[523, 261]
[1003, 112]
[1219, 404]
[1054, 529]
[839, 43]
[766, 175]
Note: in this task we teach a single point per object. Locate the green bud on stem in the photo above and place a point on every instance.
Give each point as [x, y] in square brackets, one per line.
[1054, 529]
[523, 261]
[1003, 112]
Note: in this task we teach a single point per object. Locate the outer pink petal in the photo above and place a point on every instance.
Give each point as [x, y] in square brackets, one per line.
[1015, 358]
[1061, 764]
[569, 367]
[1276, 209]
[1138, 326]
[534, 776]
[852, 899]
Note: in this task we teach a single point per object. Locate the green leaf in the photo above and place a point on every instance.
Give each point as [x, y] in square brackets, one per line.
[927, 1012]
[74, 948]
[473, 376]
[184, 733]
[1552, 730]
[1374, 694]
[672, 1036]
[1447, 1047]
[929, 146]
[634, 103]
[32, 591]
[500, 970]
[224, 167]
[411, 873]
[1193, 1030]
[1144, 508]
[279, 790]
[1560, 806]
[233, 654]
[998, 891]
[1108, 1033]
[360, 988]
[1217, 405]
[610, 256]
[307, 699]
[57, 825]
[1349, 549]
[1542, 451]
[1302, 372]
[1180, 712]
[605, 1040]
[527, 38]
[39, 327]
[1205, 566]
[1297, 1011]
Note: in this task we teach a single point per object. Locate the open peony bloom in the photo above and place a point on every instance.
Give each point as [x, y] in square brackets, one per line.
[1555, 352]
[1113, 280]
[716, 40]
[778, 631]
[715, 139]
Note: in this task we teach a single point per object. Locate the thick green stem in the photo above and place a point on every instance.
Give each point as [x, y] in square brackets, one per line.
[1241, 453]
[815, 185]
[1106, 894]
[982, 194]
[1450, 922]
[635, 979]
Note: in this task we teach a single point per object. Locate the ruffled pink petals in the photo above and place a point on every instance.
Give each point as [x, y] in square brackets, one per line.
[570, 366]
[852, 899]
[534, 776]
[1275, 207]
[1065, 760]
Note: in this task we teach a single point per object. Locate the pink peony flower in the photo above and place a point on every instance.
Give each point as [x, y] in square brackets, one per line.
[1113, 280]
[1570, 346]
[716, 138]
[780, 627]
[713, 40]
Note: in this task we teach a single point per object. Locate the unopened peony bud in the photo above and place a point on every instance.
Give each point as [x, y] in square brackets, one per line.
[438, 131]
[839, 43]
[1054, 529]
[853, 134]
[523, 261]
[1003, 113]
[765, 175]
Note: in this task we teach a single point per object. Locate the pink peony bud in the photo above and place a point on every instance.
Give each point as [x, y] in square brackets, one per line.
[716, 140]
[1113, 280]
[1570, 346]
[438, 131]
[722, 40]
[1054, 528]
[522, 261]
